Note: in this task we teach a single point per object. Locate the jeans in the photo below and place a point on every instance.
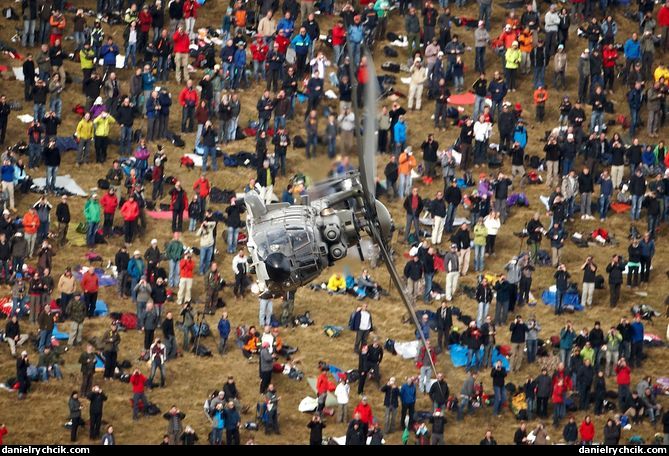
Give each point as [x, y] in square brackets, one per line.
[500, 397]
[187, 119]
[28, 37]
[596, 120]
[473, 360]
[479, 104]
[51, 172]
[411, 219]
[209, 151]
[634, 120]
[38, 111]
[484, 14]
[206, 253]
[173, 279]
[265, 312]
[464, 402]
[424, 378]
[428, 286]
[130, 55]
[637, 201]
[163, 68]
[539, 76]
[559, 412]
[233, 234]
[483, 309]
[136, 397]
[404, 184]
[90, 233]
[604, 202]
[259, 70]
[125, 139]
[44, 339]
[232, 129]
[479, 257]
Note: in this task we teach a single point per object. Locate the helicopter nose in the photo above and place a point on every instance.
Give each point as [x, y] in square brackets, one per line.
[278, 267]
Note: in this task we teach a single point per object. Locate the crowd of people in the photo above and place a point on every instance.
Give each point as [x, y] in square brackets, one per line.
[587, 170]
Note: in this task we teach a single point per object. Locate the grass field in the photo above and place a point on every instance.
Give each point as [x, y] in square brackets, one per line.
[40, 418]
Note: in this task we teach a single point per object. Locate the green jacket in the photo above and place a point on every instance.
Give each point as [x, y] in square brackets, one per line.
[480, 234]
[77, 310]
[174, 250]
[92, 211]
[86, 58]
[613, 342]
[588, 353]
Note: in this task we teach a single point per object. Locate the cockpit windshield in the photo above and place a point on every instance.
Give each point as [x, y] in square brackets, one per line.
[299, 238]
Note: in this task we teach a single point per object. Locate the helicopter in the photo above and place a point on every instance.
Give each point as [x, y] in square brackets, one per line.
[291, 245]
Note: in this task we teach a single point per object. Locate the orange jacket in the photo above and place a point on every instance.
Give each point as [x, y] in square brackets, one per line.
[406, 163]
[251, 344]
[30, 222]
[322, 384]
[540, 96]
[57, 23]
[525, 42]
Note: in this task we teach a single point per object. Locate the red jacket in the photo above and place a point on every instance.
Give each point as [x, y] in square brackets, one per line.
[558, 394]
[137, 381]
[3, 432]
[145, 20]
[365, 411]
[282, 42]
[663, 17]
[587, 431]
[186, 267]
[130, 211]
[259, 51]
[623, 375]
[90, 283]
[322, 384]
[609, 57]
[202, 187]
[30, 222]
[109, 203]
[190, 8]
[173, 199]
[181, 42]
[566, 379]
[338, 36]
[188, 96]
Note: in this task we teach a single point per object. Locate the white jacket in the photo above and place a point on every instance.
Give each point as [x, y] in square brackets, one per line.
[493, 225]
[551, 21]
[341, 392]
[482, 131]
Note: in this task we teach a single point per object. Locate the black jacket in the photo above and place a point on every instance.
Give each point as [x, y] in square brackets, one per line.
[121, 261]
[409, 209]
[391, 396]
[438, 207]
[439, 392]
[461, 239]
[615, 273]
[97, 402]
[63, 213]
[570, 432]
[413, 270]
[445, 318]
[518, 331]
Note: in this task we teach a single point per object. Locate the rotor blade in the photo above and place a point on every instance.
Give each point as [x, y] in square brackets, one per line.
[395, 277]
[367, 153]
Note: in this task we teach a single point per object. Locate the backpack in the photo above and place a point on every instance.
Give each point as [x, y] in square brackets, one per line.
[599, 282]
[332, 331]
[187, 162]
[103, 184]
[152, 409]
[201, 350]
[298, 142]
[392, 67]
[129, 321]
[202, 330]
[177, 141]
[535, 162]
[390, 346]
[390, 52]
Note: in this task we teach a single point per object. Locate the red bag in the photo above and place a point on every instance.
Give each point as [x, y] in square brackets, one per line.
[187, 162]
[129, 320]
[331, 386]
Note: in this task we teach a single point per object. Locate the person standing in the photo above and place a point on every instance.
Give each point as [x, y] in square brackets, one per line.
[438, 211]
[615, 270]
[97, 399]
[498, 375]
[413, 273]
[452, 269]
[186, 267]
[413, 205]
[111, 340]
[561, 284]
[444, 324]
[480, 237]
[75, 407]
[76, 310]
[518, 337]
[531, 339]
[462, 241]
[361, 323]
[87, 360]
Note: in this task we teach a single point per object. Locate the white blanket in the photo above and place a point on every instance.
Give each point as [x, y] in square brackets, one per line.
[65, 182]
[18, 73]
[25, 118]
[407, 350]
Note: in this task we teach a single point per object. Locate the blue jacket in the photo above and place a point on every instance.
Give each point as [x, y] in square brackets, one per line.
[151, 107]
[108, 54]
[634, 99]
[7, 173]
[497, 90]
[224, 328]
[400, 132]
[606, 187]
[228, 54]
[239, 60]
[425, 329]
[219, 420]
[355, 34]
[136, 268]
[286, 24]
[520, 136]
[648, 157]
[637, 331]
[231, 418]
[647, 248]
[567, 339]
[354, 323]
[300, 44]
[632, 49]
[165, 103]
[148, 81]
[408, 394]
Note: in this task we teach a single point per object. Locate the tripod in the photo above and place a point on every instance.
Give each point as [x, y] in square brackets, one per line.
[201, 319]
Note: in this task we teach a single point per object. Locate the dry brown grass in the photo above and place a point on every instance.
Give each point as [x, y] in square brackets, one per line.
[191, 379]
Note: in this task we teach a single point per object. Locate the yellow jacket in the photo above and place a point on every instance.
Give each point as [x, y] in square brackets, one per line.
[86, 59]
[85, 129]
[337, 283]
[103, 125]
[661, 71]
[512, 58]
